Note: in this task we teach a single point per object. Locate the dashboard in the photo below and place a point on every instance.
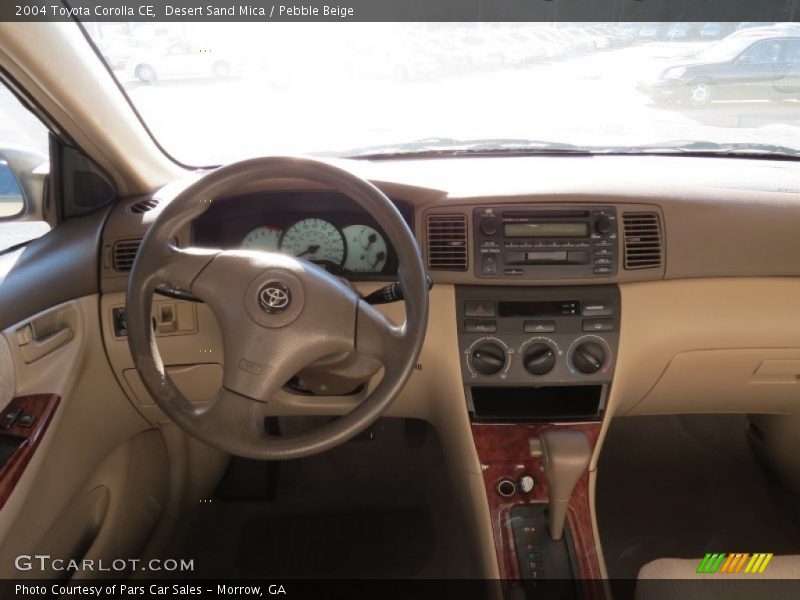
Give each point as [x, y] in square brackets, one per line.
[328, 229]
[691, 307]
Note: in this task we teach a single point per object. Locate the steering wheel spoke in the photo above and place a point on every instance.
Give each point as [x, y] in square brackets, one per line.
[376, 335]
[180, 266]
[232, 414]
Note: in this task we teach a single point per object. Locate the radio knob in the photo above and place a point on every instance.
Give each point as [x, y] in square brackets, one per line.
[489, 225]
[488, 358]
[589, 357]
[603, 225]
[539, 359]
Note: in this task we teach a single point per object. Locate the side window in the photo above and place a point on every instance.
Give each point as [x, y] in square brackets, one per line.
[23, 169]
[11, 200]
[765, 52]
[793, 51]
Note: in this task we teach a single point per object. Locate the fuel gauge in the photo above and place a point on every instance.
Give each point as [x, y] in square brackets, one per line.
[366, 249]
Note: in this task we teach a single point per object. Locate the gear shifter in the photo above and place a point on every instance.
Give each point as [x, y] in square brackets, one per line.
[565, 457]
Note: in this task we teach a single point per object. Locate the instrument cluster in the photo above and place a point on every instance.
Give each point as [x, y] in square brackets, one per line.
[353, 248]
[325, 228]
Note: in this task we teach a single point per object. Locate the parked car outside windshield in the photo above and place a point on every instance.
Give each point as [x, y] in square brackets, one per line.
[749, 67]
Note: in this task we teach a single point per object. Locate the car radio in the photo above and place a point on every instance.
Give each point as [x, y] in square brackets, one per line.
[546, 242]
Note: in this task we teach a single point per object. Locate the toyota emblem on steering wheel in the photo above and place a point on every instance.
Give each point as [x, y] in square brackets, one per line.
[274, 297]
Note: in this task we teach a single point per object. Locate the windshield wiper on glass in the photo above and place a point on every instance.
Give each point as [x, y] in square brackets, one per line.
[448, 147]
[714, 148]
[431, 147]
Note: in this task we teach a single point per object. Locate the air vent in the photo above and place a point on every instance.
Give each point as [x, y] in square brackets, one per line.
[447, 242]
[143, 206]
[124, 253]
[642, 240]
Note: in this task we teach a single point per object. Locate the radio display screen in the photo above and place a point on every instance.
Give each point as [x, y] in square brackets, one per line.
[541, 229]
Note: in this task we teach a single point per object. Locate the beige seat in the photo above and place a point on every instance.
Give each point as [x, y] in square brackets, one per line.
[669, 578]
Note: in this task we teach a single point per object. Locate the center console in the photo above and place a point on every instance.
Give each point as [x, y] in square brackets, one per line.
[536, 363]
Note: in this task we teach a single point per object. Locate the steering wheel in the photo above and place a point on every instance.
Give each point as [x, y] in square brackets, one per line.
[277, 314]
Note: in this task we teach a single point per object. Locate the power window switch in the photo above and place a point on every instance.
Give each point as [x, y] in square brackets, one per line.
[26, 420]
[9, 417]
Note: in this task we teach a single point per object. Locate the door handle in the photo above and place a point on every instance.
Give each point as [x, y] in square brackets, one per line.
[36, 349]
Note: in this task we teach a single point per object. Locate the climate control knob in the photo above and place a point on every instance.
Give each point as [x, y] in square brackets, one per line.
[589, 357]
[539, 359]
[488, 358]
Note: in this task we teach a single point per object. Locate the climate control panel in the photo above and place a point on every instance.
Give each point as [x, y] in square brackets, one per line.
[538, 336]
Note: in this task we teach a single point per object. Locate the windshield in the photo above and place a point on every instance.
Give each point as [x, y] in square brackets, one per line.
[212, 93]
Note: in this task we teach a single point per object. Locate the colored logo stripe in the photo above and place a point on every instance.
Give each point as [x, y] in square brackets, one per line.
[758, 563]
[720, 562]
[711, 563]
[728, 562]
[734, 563]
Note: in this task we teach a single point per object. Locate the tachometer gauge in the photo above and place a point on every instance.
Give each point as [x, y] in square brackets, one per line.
[262, 238]
[366, 249]
[316, 240]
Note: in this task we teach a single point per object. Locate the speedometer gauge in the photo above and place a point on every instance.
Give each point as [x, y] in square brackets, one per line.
[366, 249]
[262, 238]
[316, 240]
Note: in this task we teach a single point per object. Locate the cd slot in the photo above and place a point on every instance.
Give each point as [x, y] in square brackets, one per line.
[550, 214]
[549, 257]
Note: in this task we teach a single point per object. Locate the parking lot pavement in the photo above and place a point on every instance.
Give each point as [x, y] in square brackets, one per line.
[587, 99]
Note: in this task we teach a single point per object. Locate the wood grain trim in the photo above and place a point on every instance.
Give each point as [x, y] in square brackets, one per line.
[503, 452]
[44, 407]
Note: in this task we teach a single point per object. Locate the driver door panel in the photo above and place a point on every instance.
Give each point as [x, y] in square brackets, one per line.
[63, 488]
[87, 422]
